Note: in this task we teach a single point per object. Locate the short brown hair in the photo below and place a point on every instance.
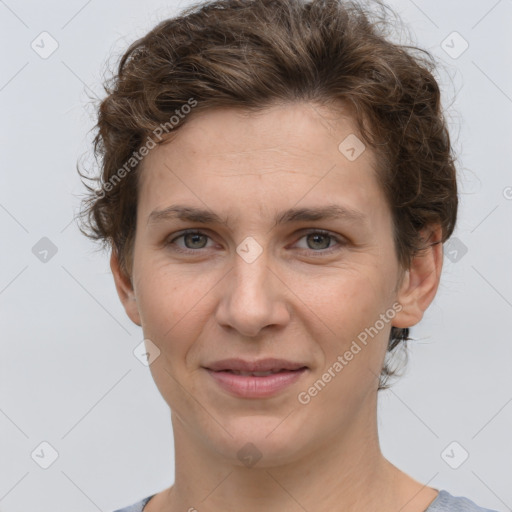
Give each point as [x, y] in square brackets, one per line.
[250, 54]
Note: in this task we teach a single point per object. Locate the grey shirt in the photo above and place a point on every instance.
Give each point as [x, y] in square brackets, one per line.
[444, 502]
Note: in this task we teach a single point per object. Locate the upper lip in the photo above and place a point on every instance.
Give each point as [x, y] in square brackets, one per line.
[262, 365]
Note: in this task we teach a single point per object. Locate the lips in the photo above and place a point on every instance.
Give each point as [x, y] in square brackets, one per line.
[255, 379]
[255, 374]
[261, 367]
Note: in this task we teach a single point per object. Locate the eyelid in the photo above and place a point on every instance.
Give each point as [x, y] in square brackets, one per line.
[340, 241]
[181, 234]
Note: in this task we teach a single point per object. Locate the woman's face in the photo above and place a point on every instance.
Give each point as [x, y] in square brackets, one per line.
[265, 278]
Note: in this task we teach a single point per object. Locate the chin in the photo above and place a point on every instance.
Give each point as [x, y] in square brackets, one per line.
[259, 441]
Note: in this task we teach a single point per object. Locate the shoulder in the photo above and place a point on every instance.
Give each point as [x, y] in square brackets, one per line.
[445, 502]
[136, 507]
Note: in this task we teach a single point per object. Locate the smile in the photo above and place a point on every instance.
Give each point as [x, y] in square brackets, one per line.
[255, 384]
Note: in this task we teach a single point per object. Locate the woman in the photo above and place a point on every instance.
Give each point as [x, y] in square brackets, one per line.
[233, 140]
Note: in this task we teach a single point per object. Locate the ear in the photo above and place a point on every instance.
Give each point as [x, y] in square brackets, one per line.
[421, 280]
[124, 289]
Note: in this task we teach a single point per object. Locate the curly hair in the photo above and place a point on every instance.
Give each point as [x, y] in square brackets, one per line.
[250, 54]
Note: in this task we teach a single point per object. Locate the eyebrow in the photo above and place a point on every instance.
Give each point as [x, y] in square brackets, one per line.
[203, 216]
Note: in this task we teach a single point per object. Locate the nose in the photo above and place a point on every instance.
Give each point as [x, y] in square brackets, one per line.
[253, 297]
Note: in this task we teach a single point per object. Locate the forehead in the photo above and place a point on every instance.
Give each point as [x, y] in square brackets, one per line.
[292, 152]
[237, 132]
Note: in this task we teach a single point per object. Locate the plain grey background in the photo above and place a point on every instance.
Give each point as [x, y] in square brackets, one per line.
[68, 376]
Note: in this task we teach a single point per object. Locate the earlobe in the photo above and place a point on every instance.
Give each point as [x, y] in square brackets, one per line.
[420, 284]
[125, 290]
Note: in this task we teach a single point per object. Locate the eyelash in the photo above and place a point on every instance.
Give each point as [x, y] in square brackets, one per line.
[339, 242]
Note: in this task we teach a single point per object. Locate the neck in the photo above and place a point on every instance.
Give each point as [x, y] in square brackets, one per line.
[344, 471]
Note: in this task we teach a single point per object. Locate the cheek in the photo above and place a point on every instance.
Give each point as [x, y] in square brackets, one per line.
[348, 321]
[346, 296]
[352, 345]
[173, 313]
[171, 303]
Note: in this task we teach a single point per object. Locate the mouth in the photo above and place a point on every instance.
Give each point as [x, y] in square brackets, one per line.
[260, 374]
[262, 366]
[255, 379]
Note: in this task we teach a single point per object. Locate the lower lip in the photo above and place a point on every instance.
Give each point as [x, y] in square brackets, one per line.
[249, 386]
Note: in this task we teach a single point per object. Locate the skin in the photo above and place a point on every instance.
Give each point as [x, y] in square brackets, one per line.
[304, 298]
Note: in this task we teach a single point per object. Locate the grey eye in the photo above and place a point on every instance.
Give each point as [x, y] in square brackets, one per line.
[195, 240]
[319, 240]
